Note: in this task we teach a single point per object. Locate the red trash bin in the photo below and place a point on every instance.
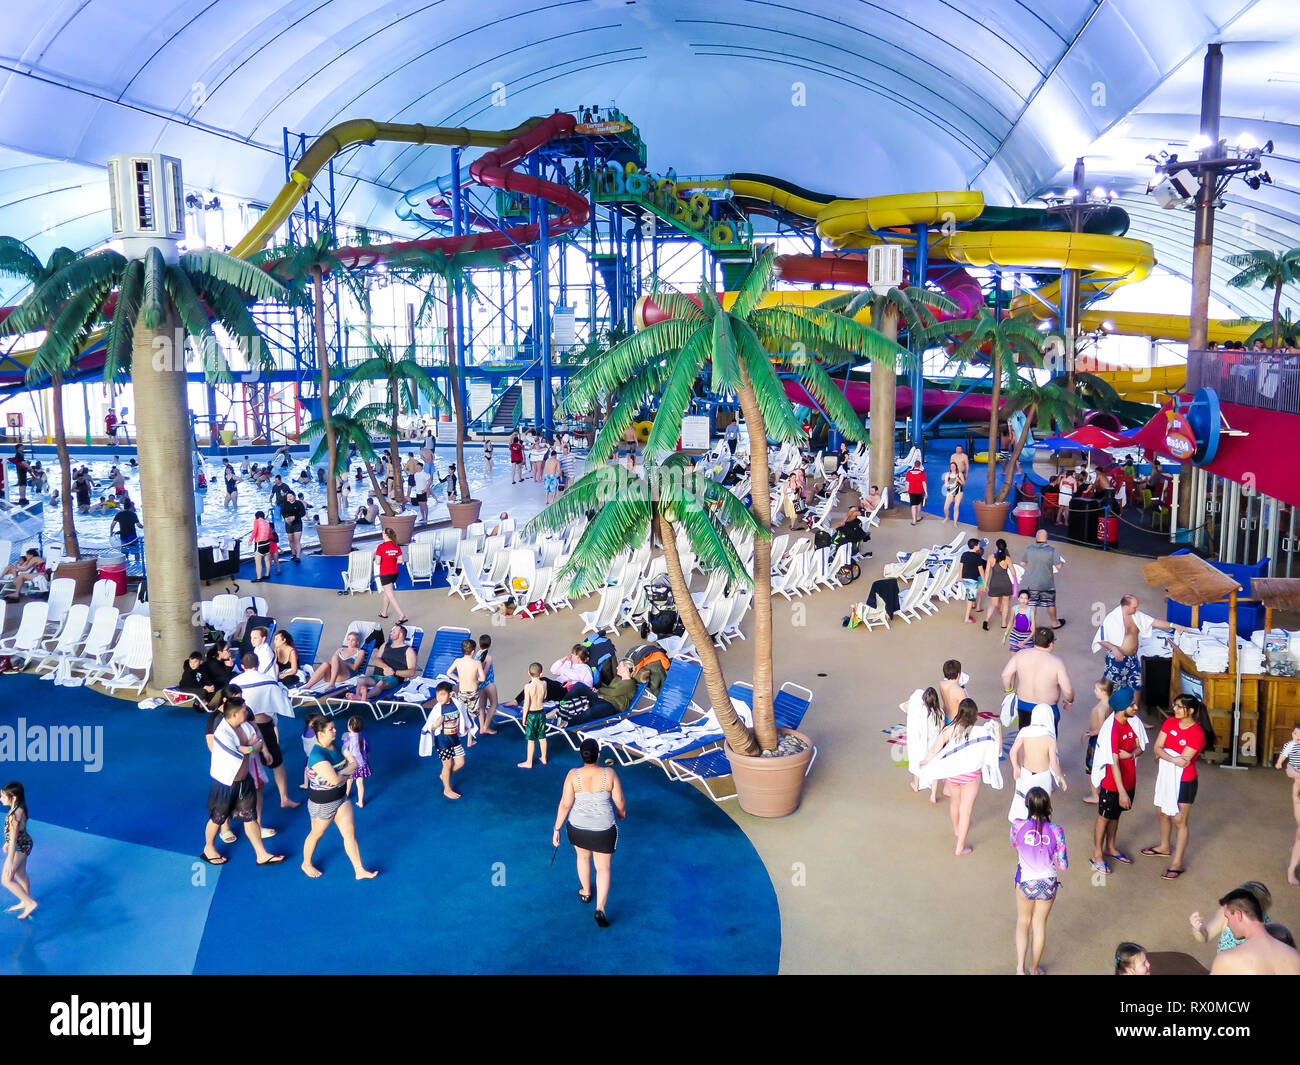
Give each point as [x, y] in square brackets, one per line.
[1027, 515]
[1108, 530]
[113, 568]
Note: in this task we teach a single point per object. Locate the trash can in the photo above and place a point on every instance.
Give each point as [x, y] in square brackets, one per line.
[1108, 529]
[113, 568]
[1027, 515]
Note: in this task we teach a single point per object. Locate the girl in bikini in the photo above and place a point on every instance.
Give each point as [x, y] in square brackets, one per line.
[18, 845]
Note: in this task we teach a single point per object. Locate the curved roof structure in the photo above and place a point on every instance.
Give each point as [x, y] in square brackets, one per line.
[858, 97]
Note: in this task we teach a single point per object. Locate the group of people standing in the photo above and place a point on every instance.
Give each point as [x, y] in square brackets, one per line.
[552, 460]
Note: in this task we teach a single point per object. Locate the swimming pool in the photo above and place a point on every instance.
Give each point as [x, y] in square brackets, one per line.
[216, 520]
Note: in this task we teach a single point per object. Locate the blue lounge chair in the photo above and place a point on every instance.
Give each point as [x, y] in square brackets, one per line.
[336, 704]
[314, 701]
[419, 690]
[663, 717]
[709, 767]
[306, 633]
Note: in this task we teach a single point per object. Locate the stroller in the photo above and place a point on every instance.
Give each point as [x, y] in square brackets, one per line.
[662, 618]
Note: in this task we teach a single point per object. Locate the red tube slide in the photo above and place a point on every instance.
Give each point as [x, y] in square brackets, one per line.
[496, 170]
[958, 285]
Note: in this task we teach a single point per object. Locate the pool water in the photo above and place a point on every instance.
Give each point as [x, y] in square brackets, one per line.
[215, 519]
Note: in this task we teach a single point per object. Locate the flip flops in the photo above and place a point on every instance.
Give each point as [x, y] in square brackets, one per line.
[1100, 867]
[274, 859]
[1151, 852]
[1121, 857]
[220, 859]
[1172, 874]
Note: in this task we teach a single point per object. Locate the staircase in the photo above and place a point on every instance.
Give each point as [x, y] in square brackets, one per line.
[507, 410]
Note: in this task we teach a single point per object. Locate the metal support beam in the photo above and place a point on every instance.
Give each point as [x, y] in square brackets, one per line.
[918, 369]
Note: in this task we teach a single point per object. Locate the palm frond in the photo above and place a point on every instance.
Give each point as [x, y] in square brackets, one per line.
[58, 351]
[713, 548]
[117, 346]
[618, 524]
[247, 278]
[778, 412]
[831, 399]
[754, 283]
[675, 397]
[18, 260]
[588, 493]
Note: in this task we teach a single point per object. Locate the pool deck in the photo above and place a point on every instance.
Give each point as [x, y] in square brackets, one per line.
[864, 872]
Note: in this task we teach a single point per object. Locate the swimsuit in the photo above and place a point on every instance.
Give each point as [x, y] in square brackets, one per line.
[23, 842]
[447, 741]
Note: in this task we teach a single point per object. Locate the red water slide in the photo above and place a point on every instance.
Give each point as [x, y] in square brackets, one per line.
[496, 170]
[843, 269]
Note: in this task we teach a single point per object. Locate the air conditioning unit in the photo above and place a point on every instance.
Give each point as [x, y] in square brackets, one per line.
[147, 201]
[884, 267]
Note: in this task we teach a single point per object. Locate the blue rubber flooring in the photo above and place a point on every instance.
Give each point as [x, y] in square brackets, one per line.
[320, 571]
[464, 887]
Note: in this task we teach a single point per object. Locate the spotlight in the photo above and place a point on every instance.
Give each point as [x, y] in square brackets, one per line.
[1252, 182]
[1268, 147]
[1112, 195]
[1199, 143]
[1098, 193]
[213, 204]
[193, 201]
[1247, 141]
[1071, 194]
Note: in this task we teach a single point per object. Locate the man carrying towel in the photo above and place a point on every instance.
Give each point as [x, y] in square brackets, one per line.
[1036, 675]
[1119, 635]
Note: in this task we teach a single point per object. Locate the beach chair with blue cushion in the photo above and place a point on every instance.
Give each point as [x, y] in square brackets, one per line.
[664, 715]
[336, 704]
[313, 699]
[708, 769]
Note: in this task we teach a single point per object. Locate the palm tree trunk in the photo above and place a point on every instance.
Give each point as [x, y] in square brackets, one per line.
[322, 360]
[884, 405]
[738, 736]
[71, 547]
[1277, 301]
[380, 494]
[167, 494]
[393, 454]
[995, 401]
[759, 474]
[1004, 492]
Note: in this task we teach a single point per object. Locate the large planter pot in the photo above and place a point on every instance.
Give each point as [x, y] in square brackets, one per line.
[463, 515]
[992, 517]
[336, 539]
[770, 787]
[82, 570]
[401, 524]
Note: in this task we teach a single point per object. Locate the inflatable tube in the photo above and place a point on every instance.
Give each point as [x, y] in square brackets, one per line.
[700, 202]
[630, 168]
[642, 431]
[980, 456]
[723, 234]
[697, 221]
[636, 184]
[680, 211]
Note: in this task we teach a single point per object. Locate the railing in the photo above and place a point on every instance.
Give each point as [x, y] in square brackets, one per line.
[1266, 380]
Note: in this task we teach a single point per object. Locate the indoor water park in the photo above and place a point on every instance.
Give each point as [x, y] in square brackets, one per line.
[641, 419]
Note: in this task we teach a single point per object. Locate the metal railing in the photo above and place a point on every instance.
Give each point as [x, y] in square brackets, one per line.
[1266, 380]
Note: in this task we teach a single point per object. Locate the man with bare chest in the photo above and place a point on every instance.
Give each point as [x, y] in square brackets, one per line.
[1120, 635]
[1036, 675]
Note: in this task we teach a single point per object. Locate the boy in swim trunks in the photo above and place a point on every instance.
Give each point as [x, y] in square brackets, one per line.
[467, 672]
[534, 715]
[952, 689]
[444, 723]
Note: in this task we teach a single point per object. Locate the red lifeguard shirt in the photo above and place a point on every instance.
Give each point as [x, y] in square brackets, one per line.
[1123, 738]
[389, 555]
[916, 482]
[1186, 738]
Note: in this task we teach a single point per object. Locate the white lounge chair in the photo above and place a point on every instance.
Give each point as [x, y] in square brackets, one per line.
[872, 616]
[104, 593]
[25, 642]
[358, 574]
[131, 661]
[910, 608]
[69, 639]
[62, 592]
[223, 613]
[97, 647]
[419, 562]
[606, 613]
[908, 568]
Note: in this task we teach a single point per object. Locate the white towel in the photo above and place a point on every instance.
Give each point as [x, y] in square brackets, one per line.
[1008, 713]
[1024, 784]
[1111, 628]
[1103, 756]
[1168, 781]
[978, 751]
[921, 730]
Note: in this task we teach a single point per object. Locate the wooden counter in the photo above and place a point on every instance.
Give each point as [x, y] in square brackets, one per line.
[1219, 691]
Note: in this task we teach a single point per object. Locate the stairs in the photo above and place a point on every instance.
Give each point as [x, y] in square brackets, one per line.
[507, 413]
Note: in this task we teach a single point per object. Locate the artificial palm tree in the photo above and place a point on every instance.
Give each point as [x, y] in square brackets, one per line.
[1284, 327]
[1009, 341]
[663, 362]
[919, 311]
[670, 499]
[405, 382]
[1267, 269]
[351, 424]
[1051, 405]
[157, 306]
[56, 356]
[300, 266]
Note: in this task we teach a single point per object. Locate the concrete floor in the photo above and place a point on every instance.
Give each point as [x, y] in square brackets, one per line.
[864, 871]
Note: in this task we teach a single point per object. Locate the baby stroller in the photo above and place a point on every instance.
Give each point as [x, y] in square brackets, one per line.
[662, 618]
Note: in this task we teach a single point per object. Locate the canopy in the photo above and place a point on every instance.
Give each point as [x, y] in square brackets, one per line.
[1189, 579]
